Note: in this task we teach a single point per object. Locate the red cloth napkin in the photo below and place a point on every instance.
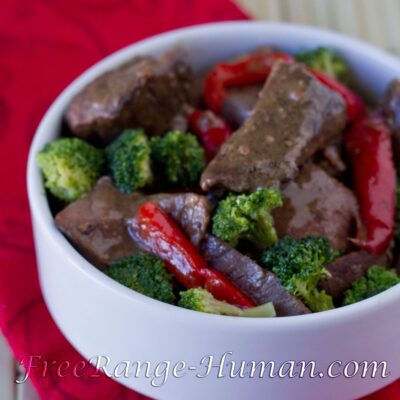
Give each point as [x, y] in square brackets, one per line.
[44, 44]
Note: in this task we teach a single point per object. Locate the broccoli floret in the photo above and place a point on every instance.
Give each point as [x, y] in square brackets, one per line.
[70, 167]
[128, 158]
[198, 299]
[326, 61]
[299, 264]
[145, 274]
[247, 217]
[378, 280]
[178, 157]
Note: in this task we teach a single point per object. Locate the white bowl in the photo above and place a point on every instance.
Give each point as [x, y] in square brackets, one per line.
[102, 318]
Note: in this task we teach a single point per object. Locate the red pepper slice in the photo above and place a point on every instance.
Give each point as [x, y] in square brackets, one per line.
[255, 69]
[223, 289]
[162, 237]
[368, 143]
[249, 70]
[212, 130]
[354, 104]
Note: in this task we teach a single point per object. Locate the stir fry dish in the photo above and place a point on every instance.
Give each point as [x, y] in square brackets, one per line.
[265, 186]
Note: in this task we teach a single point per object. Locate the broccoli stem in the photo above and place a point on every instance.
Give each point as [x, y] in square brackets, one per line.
[261, 234]
[198, 299]
[265, 310]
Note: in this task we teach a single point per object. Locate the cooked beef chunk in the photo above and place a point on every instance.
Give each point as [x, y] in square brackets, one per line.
[317, 204]
[330, 160]
[144, 92]
[239, 103]
[346, 269]
[260, 285]
[96, 224]
[191, 211]
[391, 106]
[294, 117]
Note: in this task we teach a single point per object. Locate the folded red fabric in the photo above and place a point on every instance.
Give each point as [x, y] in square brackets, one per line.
[44, 44]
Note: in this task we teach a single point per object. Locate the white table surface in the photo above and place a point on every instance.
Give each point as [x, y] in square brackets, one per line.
[9, 390]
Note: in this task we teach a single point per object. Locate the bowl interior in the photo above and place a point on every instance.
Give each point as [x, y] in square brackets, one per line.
[206, 44]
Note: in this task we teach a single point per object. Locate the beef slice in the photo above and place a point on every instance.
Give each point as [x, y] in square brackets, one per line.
[239, 103]
[330, 159]
[144, 92]
[259, 284]
[295, 116]
[191, 211]
[316, 204]
[347, 268]
[97, 223]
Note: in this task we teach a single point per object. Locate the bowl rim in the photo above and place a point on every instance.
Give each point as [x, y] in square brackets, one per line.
[42, 216]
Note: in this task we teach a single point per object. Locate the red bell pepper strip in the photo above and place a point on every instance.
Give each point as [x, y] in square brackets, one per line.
[249, 70]
[354, 104]
[212, 130]
[162, 237]
[255, 69]
[368, 143]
